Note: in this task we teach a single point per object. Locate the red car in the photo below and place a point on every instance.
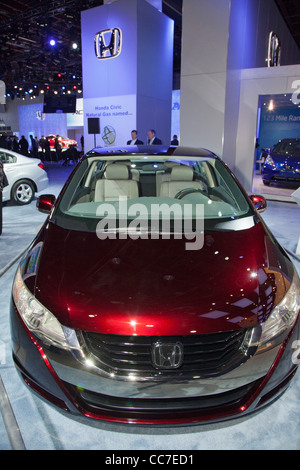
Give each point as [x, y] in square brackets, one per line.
[155, 294]
[65, 142]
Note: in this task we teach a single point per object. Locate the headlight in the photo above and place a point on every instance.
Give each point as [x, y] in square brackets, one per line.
[39, 320]
[283, 316]
[269, 161]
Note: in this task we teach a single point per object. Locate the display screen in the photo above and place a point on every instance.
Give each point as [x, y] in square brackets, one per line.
[60, 104]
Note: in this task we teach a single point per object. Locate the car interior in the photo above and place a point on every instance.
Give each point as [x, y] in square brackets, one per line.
[108, 180]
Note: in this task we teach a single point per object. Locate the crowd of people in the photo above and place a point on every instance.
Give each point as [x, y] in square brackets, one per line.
[39, 148]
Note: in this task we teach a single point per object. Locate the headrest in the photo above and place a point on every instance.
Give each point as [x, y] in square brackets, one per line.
[116, 172]
[182, 173]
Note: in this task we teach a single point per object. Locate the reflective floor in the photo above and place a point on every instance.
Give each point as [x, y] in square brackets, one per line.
[34, 425]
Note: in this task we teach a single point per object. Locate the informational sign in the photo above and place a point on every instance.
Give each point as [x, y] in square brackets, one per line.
[76, 119]
[117, 116]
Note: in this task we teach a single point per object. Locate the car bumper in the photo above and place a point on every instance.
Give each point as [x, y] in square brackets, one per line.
[275, 175]
[42, 182]
[63, 381]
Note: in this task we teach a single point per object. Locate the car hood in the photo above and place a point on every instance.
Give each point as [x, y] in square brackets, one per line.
[157, 287]
[287, 159]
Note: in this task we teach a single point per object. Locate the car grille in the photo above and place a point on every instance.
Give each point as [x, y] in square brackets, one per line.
[289, 179]
[205, 355]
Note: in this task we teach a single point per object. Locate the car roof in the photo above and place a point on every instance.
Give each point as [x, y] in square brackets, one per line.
[136, 150]
[21, 157]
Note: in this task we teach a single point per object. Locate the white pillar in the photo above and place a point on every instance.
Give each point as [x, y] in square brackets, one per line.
[205, 29]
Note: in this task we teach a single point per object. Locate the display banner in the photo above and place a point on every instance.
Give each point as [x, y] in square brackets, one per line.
[280, 123]
[127, 67]
[117, 116]
[76, 119]
[33, 121]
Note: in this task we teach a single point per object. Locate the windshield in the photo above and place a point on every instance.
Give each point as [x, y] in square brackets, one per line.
[287, 148]
[151, 187]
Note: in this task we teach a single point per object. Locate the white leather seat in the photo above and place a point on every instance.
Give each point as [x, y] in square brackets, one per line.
[115, 184]
[162, 176]
[181, 178]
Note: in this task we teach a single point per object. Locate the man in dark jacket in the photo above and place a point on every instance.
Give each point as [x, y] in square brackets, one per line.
[23, 144]
[152, 139]
[134, 140]
[3, 184]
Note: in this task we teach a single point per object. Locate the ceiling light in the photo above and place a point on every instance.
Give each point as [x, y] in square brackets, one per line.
[74, 45]
[52, 42]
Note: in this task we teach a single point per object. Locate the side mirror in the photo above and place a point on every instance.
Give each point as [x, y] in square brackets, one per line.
[45, 203]
[259, 202]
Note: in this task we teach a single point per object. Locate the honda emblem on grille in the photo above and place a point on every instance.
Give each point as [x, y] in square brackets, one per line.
[167, 355]
[108, 43]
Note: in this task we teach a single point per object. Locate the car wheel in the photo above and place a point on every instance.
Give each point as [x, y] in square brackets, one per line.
[266, 182]
[23, 192]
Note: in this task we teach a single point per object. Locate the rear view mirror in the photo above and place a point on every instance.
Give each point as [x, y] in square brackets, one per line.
[45, 203]
[259, 202]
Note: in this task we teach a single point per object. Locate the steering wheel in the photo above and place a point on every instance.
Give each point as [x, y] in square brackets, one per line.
[186, 191]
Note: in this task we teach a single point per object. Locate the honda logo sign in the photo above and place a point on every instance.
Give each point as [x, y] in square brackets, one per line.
[108, 43]
[167, 355]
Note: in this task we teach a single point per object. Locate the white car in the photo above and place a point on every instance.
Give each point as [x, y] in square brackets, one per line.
[26, 176]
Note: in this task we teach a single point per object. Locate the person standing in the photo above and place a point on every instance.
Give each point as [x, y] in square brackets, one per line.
[15, 144]
[152, 139]
[23, 144]
[47, 149]
[42, 142]
[134, 140]
[34, 147]
[175, 140]
[3, 184]
[57, 147]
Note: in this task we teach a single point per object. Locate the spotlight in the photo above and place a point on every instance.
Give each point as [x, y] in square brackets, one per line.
[52, 42]
[74, 46]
